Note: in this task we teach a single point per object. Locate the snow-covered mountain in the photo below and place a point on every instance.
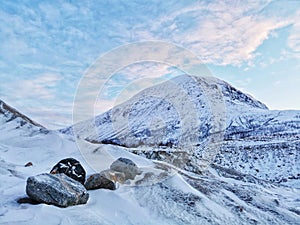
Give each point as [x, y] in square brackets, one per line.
[252, 152]
[18, 130]
[190, 120]
[178, 107]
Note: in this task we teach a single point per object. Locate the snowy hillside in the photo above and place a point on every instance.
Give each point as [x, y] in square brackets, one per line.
[264, 144]
[15, 123]
[219, 196]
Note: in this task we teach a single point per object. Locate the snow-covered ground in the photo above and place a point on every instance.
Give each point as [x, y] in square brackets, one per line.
[218, 196]
[253, 179]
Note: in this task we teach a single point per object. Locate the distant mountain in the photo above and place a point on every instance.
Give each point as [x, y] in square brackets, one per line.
[178, 121]
[14, 124]
[9, 114]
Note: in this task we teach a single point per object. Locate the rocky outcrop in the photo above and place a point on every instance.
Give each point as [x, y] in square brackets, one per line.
[56, 189]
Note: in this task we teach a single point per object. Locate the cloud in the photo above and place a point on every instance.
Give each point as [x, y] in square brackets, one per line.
[50, 116]
[221, 32]
[38, 98]
[135, 78]
[96, 95]
[40, 87]
[45, 48]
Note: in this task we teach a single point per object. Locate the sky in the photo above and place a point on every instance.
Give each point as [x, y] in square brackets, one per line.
[46, 47]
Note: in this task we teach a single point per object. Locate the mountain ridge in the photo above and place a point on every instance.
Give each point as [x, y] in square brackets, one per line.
[11, 114]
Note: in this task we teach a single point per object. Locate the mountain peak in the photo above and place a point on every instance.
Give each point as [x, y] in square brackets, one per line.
[230, 94]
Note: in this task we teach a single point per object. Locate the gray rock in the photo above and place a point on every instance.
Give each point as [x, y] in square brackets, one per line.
[56, 189]
[98, 181]
[127, 166]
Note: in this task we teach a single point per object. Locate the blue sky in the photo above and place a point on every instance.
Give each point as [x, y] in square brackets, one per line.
[46, 46]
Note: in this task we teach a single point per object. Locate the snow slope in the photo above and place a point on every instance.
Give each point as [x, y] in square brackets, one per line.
[264, 144]
[14, 124]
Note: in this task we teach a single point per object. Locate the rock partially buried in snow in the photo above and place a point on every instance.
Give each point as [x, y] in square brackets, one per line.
[127, 166]
[72, 168]
[28, 164]
[114, 175]
[56, 189]
[98, 181]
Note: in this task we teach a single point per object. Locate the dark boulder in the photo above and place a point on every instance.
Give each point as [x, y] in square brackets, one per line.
[72, 168]
[56, 189]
